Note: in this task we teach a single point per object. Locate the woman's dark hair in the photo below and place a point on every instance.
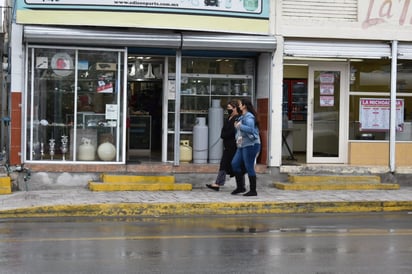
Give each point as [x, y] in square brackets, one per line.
[250, 108]
[233, 103]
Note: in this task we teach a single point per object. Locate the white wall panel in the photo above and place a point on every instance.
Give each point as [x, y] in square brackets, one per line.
[336, 49]
[405, 51]
[321, 9]
[345, 19]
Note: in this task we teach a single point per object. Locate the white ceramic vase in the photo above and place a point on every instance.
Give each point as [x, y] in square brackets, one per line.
[106, 151]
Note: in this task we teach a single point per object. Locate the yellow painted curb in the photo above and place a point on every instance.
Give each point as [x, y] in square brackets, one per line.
[182, 187]
[215, 208]
[5, 181]
[5, 190]
[5, 185]
[108, 178]
[333, 178]
[335, 186]
[99, 186]
[114, 182]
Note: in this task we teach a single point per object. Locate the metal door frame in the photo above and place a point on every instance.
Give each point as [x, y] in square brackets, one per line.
[343, 67]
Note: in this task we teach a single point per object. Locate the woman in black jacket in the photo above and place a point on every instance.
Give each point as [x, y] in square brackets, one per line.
[229, 146]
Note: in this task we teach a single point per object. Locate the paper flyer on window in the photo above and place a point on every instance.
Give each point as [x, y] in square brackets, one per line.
[374, 114]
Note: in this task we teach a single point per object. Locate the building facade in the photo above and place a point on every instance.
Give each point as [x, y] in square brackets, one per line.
[355, 58]
[99, 82]
[105, 84]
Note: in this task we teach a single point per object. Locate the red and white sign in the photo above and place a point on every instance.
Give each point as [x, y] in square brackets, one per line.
[374, 114]
[327, 101]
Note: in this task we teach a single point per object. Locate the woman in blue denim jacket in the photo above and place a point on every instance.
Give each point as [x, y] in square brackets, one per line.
[248, 147]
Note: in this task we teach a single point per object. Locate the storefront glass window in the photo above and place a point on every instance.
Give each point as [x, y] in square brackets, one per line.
[74, 105]
[370, 76]
[370, 100]
[207, 82]
[369, 84]
[404, 92]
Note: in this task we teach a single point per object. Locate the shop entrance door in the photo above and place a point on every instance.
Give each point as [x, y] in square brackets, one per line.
[145, 98]
[327, 86]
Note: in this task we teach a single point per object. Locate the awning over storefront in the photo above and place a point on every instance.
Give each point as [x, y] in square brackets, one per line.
[337, 49]
[156, 39]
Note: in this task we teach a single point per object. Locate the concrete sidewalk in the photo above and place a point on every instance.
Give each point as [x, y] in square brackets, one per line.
[79, 201]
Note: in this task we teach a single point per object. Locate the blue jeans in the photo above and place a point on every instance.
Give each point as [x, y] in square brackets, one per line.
[247, 156]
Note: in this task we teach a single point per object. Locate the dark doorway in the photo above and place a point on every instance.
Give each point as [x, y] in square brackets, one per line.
[144, 93]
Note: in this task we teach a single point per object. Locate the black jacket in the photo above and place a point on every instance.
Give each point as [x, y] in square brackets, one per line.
[229, 144]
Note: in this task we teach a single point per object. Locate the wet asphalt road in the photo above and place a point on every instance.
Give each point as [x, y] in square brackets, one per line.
[323, 244]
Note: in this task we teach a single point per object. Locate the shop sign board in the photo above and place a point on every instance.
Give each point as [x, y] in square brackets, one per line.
[242, 16]
[245, 8]
[207, 6]
[374, 114]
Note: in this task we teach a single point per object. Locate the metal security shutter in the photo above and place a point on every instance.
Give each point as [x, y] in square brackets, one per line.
[100, 37]
[405, 51]
[337, 49]
[252, 43]
[154, 39]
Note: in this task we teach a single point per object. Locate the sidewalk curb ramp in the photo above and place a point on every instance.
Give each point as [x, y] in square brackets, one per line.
[109, 182]
[203, 209]
[335, 182]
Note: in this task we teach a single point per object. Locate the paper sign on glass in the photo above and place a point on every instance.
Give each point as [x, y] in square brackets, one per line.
[111, 112]
[327, 89]
[327, 101]
[327, 78]
[374, 114]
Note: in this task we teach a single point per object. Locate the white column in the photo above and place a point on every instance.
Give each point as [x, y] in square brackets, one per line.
[275, 106]
[392, 124]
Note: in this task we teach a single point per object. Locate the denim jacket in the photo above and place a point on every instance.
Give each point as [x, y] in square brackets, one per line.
[248, 132]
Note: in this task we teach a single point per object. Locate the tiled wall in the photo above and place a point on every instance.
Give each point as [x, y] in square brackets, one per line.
[262, 107]
[16, 128]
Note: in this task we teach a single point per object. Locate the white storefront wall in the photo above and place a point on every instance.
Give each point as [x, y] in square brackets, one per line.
[339, 29]
[352, 19]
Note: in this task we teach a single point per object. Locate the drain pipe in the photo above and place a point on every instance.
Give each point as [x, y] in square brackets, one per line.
[392, 122]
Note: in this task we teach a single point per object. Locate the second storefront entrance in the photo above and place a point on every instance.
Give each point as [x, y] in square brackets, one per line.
[315, 105]
[328, 89]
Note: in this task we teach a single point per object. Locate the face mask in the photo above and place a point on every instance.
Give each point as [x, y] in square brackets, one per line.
[230, 111]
